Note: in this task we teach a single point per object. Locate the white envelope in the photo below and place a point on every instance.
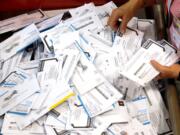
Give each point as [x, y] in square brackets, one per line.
[18, 41]
[19, 86]
[10, 126]
[21, 21]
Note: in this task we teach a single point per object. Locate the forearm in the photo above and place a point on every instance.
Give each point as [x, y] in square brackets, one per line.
[137, 4]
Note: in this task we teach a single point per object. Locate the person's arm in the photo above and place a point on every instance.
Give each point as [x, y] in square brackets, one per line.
[126, 12]
[172, 72]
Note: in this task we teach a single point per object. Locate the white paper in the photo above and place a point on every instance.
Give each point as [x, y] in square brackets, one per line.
[10, 126]
[50, 37]
[99, 95]
[118, 114]
[148, 27]
[86, 76]
[21, 21]
[25, 106]
[82, 10]
[89, 22]
[56, 88]
[9, 65]
[139, 68]
[78, 119]
[61, 113]
[104, 11]
[127, 45]
[48, 23]
[139, 109]
[18, 41]
[54, 123]
[99, 44]
[52, 98]
[19, 86]
[159, 115]
[132, 128]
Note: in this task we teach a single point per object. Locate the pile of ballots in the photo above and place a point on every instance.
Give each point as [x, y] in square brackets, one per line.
[71, 74]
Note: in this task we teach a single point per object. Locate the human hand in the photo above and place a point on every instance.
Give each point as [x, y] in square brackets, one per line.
[125, 12]
[166, 72]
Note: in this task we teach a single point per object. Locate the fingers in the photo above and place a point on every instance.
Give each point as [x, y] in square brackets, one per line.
[165, 72]
[124, 24]
[159, 77]
[157, 66]
[113, 19]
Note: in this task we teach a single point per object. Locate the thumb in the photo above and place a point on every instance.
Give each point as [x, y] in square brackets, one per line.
[157, 66]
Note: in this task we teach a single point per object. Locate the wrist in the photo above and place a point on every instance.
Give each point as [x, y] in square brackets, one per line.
[142, 3]
[176, 72]
[137, 4]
